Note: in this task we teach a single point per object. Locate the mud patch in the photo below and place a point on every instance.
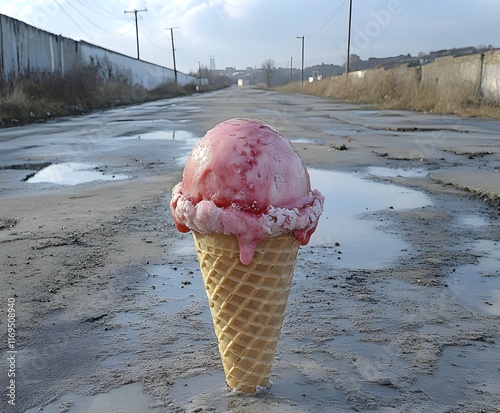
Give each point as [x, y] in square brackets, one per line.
[396, 172]
[181, 135]
[207, 393]
[8, 223]
[469, 154]
[27, 166]
[125, 399]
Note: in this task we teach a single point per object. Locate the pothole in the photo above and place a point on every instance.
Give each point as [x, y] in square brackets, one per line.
[7, 223]
[348, 219]
[477, 286]
[71, 173]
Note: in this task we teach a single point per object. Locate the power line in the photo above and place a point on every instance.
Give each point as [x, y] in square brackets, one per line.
[301, 49]
[328, 21]
[157, 21]
[152, 34]
[89, 20]
[96, 10]
[73, 20]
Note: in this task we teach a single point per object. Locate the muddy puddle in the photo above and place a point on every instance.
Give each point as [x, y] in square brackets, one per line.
[177, 285]
[477, 286]
[289, 388]
[186, 138]
[72, 173]
[125, 399]
[65, 164]
[351, 201]
[451, 384]
[304, 140]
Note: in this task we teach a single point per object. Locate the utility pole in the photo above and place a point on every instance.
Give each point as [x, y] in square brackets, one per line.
[348, 42]
[173, 49]
[302, 37]
[136, 27]
[291, 69]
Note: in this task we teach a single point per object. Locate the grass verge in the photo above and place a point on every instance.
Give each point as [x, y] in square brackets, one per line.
[402, 89]
[31, 99]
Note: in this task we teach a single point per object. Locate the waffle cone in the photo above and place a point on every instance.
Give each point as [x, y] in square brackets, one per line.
[247, 302]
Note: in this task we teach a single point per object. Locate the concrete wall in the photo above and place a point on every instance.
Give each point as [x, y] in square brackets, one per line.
[449, 74]
[490, 79]
[477, 74]
[25, 49]
[113, 65]
[473, 75]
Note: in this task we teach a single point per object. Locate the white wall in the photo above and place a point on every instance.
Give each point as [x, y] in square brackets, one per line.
[24, 49]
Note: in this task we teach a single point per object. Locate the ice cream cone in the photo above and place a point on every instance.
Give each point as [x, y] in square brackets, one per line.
[247, 302]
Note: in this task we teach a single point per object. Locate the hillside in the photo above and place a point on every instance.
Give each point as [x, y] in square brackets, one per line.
[284, 75]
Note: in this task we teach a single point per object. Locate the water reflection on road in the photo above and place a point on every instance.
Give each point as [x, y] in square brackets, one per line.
[350, 202]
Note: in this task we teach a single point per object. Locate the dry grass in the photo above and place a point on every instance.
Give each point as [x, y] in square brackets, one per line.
[28, 99]
[401, 88]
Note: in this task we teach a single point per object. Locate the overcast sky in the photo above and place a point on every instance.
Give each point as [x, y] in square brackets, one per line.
[244, 33]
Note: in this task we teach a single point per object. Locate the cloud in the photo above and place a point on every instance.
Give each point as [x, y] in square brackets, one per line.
[246, 32]
[38, 13]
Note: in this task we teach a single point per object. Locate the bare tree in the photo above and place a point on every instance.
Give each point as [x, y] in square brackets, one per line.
[268, 68]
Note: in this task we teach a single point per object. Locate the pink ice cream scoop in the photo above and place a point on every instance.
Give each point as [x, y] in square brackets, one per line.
[245, 178]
